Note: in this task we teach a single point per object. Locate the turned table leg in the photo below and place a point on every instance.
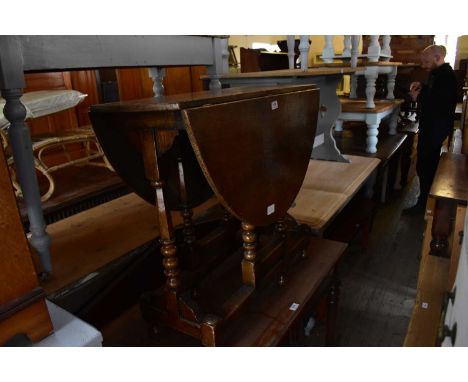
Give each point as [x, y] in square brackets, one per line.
[20, 141]
[371, 75]
[166, 230]
[250, 252]
[332, 312]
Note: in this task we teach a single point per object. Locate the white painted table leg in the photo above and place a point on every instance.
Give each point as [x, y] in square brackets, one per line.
[347, 46]
[290, 41]
[304, 49]
[353, 86]
[372, 132]
[215, 83]
[225, 55]
[157, 75]
[371, 76]
[354, 50]
[386, 46]
[373, 51]
[328, 52]
[339, 125]
[393, 122]
[391, 83]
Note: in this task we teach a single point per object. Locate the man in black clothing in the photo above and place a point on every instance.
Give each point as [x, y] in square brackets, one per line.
[438, 99]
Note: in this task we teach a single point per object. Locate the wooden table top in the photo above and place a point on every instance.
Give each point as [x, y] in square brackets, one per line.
[359, 105]
[328, 187]
[312, 72]
[451, 178]
[196, 99]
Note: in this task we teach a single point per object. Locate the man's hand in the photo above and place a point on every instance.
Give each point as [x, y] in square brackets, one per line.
[415, 89]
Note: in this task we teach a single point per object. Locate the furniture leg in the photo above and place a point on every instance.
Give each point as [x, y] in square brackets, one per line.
[373, 51]
[372, 132]
[393, 122]
[328, 52]
[332, 312]
[371, 74]
[391, 83]
[166, 230]
[248, 263]
[291, 52]
[353, 86]
[21, 145]
[304, 49]
[339, 125]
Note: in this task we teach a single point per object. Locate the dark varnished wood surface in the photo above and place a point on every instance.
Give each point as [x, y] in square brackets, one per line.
[352, 141]
[451, 179]
[251, 155]
[268, 319]
[254, 157]
[194, 99]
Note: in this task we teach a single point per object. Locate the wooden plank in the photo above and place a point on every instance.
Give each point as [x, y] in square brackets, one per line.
[451, 178]
[456, 245]
[324, 175]
[87, 241]
[432, 281]
[322, 197]
[71, 52]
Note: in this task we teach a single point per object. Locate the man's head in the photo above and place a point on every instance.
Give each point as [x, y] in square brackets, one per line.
[432, 57]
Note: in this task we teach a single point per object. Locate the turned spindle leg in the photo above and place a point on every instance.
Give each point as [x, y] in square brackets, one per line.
[391, 77]
[393, 122]
[166, 230]
[328, 52]
[157, 75]
[226, 216]
[354, 50]
[188, 230]
[20, 141]
[373, 51]
[281, 226]
[248, 263]
[291, 51]
[304, 51]
[332, 312]
[372, 132]
[353, 86]
[371, 75]
[339, 125]
[386, 49]
[347, 46]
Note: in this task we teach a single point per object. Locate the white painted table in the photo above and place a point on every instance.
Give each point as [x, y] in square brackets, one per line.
[356, 110]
